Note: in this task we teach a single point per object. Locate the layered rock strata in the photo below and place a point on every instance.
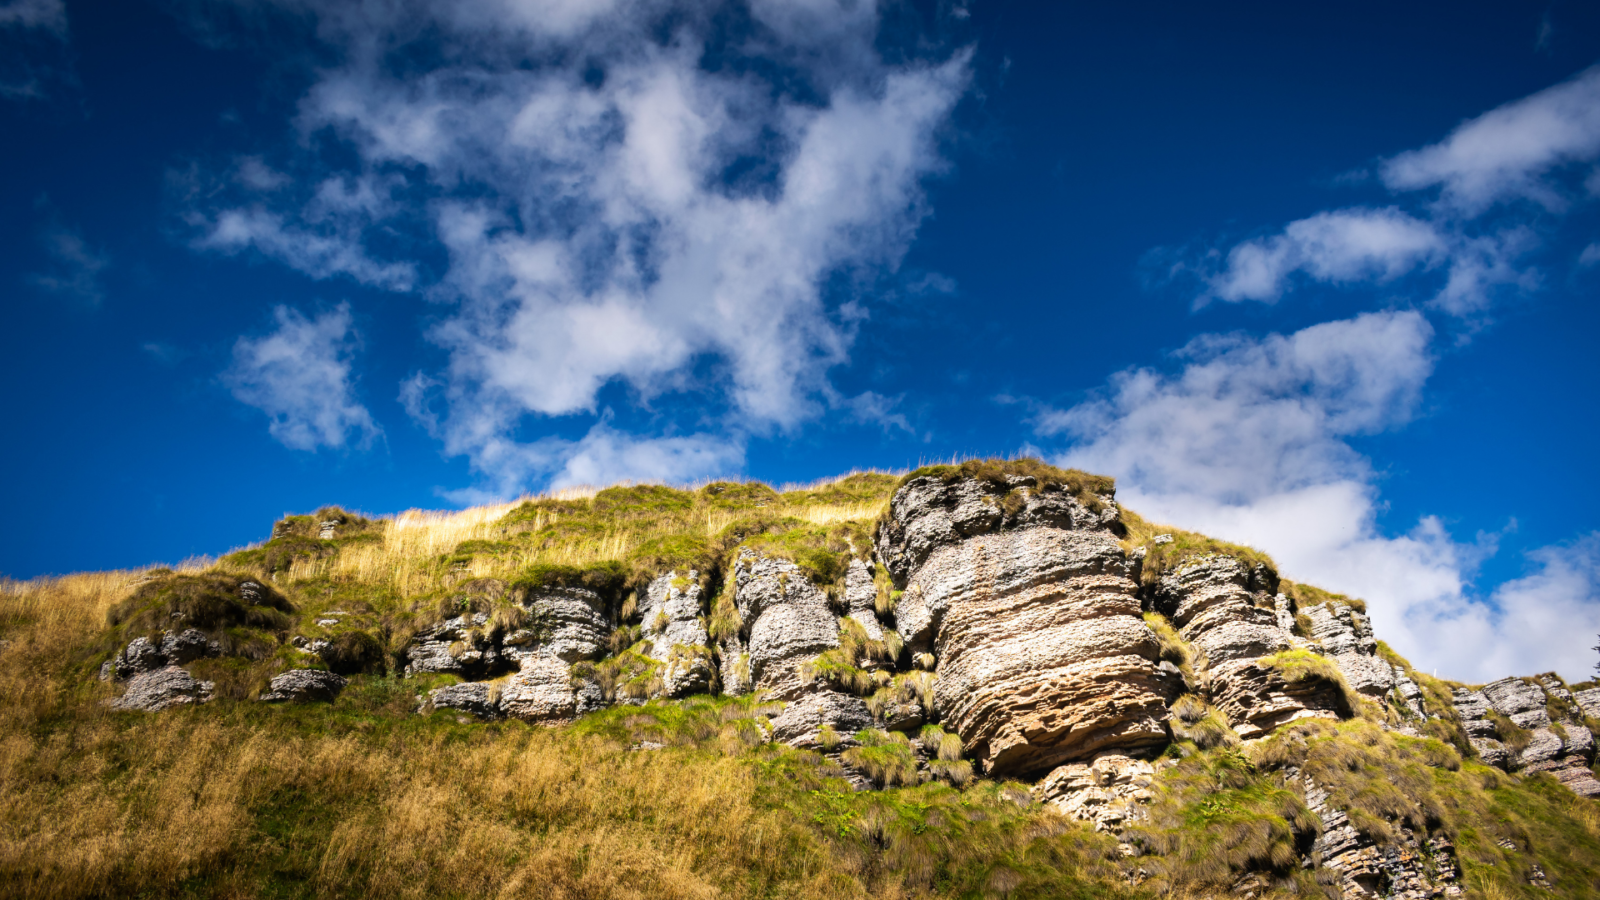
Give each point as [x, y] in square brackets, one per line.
[1227, 612]
[1034, 617]
[1561, 746]
[1409, 868]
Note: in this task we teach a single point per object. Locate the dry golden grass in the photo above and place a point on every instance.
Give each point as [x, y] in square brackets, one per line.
[405, 555]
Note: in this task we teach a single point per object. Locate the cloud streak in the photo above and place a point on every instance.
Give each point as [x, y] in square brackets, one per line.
[620, 216]
[1248, 440]
[1473, 237]
[300, 376]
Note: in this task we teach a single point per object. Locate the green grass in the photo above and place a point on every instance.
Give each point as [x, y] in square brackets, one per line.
[1161, 558]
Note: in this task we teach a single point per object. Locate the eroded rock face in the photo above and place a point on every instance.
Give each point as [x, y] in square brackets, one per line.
[789, 622]
[799, 721]
[859, 596]
[173, 648]
[671, 611]
[480, 698]
[1411, 868]
[1472, 708]
[1109, 791]
[544, 690]
[304, 686]
[454, 647]
[568, 623]
[163, 688]
[1043, 656]
[1229, 613]
[1564, 749]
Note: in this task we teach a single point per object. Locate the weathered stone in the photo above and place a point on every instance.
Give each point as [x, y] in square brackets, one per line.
[1256, 698]
[1213, 601]
[1589, 701]
[457, 646]
[1521, 702]
[1043, 656]
[671, 610]
[479, 698]
[790, 622]
[138, 657]
[544, 691]
[572, 620]
[860, 595]
[1110, 791]
[184, 647]
[1408, 868]
[797, 724]
[304, 685]
[158, 689]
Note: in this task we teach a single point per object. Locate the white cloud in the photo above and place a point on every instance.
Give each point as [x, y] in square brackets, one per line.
[1510, 152]
[1590, 255]
[299, 375]
[1248, 441]
[44, 15]
[1341, 247]
[617, 214]
[1248, 417]
[1520, 151]
[322, 248]
[75, 267]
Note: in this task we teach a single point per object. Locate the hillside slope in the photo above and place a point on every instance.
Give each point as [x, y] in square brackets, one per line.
[976, 680]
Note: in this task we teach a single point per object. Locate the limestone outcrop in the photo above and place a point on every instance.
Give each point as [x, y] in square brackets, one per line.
[1412, 867]
[1228, 612]
[162, 688]
[675, 628]
[1528, 739]
[303, 686]
[788, 619]
[1030, 606]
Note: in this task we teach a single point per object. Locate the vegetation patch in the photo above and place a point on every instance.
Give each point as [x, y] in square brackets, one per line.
[1164, 556]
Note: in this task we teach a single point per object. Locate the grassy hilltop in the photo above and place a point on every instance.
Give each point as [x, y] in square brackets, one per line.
[364, 797]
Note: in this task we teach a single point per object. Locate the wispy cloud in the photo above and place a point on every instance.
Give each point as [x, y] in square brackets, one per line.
[1249, 439]
[75, 267]
[1471, 235]
[33, 38]
[618, 213]
[300, 376]
[42, 15]
[1513, 152]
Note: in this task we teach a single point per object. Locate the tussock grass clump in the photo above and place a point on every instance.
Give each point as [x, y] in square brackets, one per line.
[1196, 721]
[1174, 649]
[884, 756]
[1303, 665]
[1216, 817]
[1161, 558]
[1305, 595]
[204, 601]
[854, 665]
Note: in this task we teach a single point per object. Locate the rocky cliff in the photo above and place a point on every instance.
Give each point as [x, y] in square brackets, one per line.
[996, 621]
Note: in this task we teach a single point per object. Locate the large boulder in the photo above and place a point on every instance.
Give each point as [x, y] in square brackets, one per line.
[303, 686]
[164, 688]
[1031, 608]
[545, 690]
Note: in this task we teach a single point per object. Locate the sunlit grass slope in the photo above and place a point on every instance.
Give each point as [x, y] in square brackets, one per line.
[365, 798]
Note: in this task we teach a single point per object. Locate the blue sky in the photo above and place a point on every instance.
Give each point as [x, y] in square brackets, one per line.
[1319, 278]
